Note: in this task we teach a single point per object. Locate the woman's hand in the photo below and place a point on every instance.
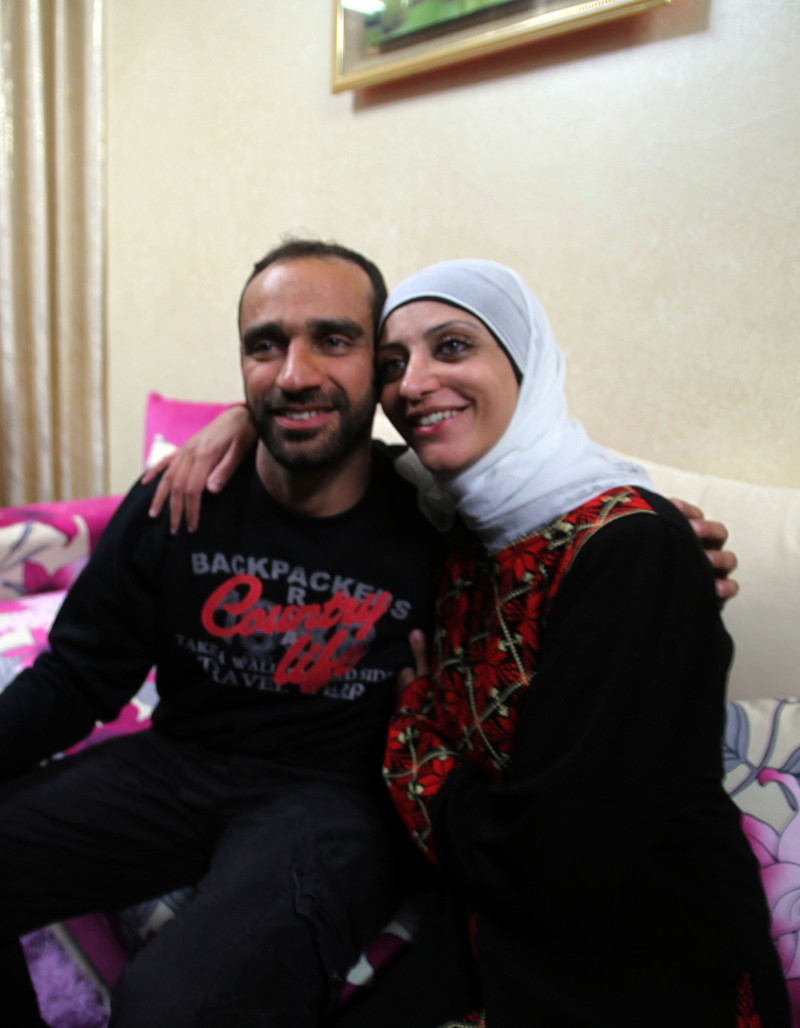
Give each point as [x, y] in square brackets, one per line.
[419, 649]
[713, 535]
[206, 461]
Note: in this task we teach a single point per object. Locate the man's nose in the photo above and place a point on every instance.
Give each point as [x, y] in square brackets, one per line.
[300, 367]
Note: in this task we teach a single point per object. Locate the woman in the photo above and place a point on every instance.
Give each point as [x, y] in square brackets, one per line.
[561, 763]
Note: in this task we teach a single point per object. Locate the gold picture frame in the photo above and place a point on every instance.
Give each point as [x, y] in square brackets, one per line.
[373, 45]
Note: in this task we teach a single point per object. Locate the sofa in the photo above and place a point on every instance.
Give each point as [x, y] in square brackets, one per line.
[44, 546]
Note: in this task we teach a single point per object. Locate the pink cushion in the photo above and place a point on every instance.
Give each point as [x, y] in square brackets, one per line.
[171, 422]
[24, 626]
[44, 546]
[97, 939]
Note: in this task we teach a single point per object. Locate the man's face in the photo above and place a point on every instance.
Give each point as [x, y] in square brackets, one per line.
[308, 359]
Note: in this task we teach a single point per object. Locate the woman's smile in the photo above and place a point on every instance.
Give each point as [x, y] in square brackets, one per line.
[432, 420]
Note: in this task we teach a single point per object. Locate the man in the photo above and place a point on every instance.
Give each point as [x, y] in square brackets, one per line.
[277, 629]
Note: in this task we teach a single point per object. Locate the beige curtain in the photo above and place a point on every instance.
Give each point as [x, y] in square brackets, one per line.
[52, 251]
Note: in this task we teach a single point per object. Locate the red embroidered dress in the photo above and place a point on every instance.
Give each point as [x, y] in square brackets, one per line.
[562, 767]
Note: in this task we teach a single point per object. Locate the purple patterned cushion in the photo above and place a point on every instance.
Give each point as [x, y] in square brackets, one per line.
[761, 751]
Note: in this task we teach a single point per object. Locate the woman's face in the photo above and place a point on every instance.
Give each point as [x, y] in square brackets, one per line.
[447, 386]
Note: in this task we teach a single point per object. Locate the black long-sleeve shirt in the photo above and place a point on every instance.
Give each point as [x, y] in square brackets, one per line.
[272, 634]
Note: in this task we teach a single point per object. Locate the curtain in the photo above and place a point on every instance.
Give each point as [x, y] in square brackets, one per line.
[52, 251]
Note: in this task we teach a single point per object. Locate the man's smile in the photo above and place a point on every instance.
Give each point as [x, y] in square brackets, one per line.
[293, 416]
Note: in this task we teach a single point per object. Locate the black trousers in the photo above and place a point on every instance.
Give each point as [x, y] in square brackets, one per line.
[294, 877]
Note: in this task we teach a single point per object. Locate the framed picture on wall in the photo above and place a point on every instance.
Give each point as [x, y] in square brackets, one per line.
[379, 40]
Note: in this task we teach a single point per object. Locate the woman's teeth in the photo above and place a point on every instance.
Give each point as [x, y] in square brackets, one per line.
[433, 419]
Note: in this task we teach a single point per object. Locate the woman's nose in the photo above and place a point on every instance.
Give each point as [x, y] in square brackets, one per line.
[419, 377]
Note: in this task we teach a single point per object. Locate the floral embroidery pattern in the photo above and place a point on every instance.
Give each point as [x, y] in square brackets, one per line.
[476, 1020]
[489, 616]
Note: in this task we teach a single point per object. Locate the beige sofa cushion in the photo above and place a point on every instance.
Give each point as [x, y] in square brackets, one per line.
[764, 620]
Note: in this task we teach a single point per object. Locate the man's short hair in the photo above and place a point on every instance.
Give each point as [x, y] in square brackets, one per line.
[296, 249]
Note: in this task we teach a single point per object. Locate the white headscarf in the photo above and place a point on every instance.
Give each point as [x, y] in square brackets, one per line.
[544, 464]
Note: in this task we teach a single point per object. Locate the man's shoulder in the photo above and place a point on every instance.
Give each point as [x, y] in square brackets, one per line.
[136, 502]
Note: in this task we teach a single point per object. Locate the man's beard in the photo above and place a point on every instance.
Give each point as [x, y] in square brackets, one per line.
[296, 448]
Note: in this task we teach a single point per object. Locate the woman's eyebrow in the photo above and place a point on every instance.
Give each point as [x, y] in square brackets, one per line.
[432, 331]
[450, 323]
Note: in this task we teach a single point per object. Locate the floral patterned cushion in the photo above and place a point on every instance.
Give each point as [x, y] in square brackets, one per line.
[44, 546]
[761, 751]
[24, 627]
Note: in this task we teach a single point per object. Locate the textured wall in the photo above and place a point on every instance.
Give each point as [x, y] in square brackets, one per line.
[641, 176]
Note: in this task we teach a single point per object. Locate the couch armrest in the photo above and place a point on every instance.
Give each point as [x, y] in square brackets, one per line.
[44, 546]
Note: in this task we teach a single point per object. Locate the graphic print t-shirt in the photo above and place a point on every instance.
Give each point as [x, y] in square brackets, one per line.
[274, 635]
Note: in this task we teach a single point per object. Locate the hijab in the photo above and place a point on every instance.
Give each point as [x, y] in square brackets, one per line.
[544, 464]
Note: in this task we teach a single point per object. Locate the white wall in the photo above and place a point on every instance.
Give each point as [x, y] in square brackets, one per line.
[641, 176]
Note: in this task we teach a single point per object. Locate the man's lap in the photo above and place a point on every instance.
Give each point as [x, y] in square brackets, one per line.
[136, 817]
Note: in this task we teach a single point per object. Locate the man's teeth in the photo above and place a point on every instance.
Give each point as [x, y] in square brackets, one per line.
[301, 415]
[435, 418]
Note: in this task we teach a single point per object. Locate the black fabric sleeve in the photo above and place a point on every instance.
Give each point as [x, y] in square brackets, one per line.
[624, 711]
[102, 643]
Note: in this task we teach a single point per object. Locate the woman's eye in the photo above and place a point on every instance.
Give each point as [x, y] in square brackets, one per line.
[391, 370]
[452, 347]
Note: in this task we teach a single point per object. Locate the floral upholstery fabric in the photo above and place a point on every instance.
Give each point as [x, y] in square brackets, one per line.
[761, 752]
[43, 547]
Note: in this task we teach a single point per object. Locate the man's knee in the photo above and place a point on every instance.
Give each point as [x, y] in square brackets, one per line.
[228, 985]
